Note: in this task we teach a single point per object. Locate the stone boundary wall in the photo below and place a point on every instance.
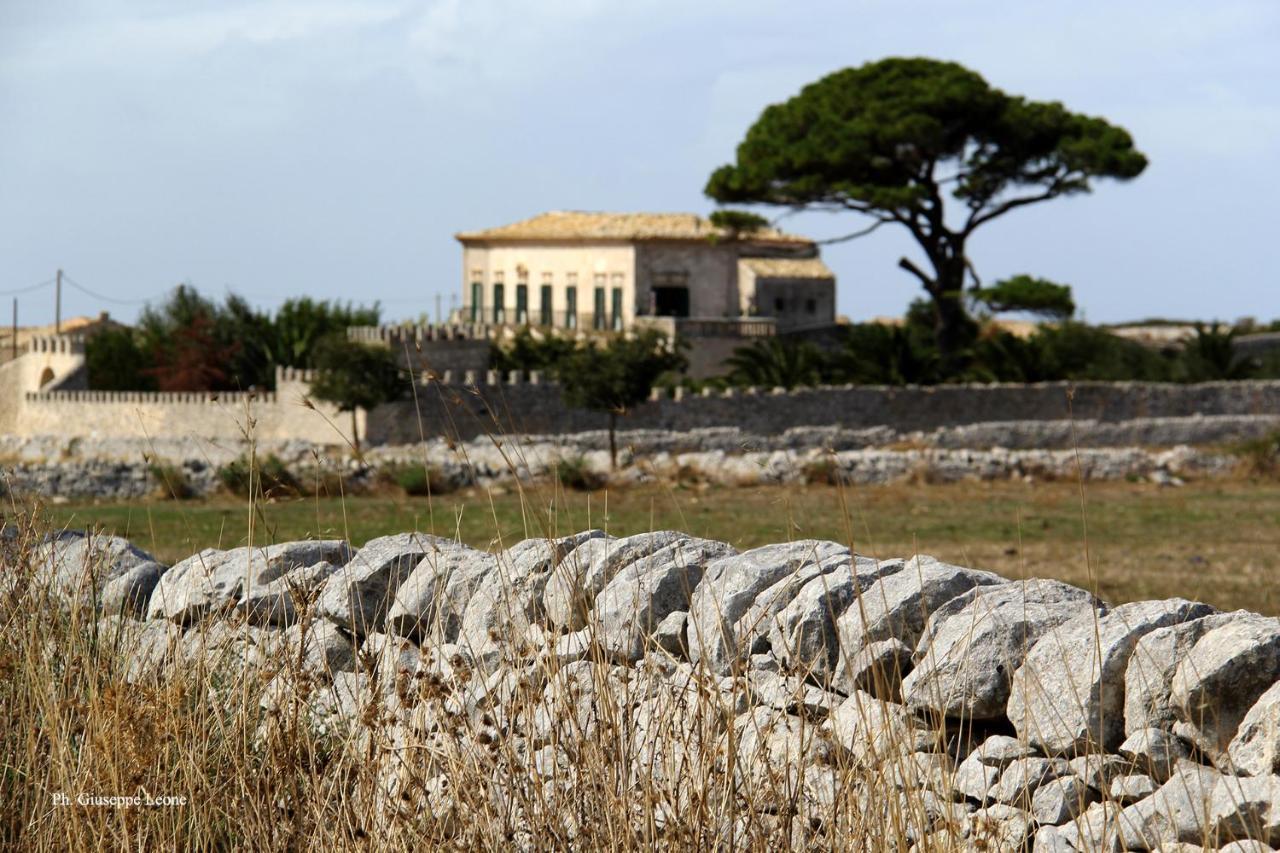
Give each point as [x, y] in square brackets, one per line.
[469, 409]
[997, 713]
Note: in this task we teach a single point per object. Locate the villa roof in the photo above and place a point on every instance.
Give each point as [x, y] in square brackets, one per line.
[594, 225]
[788, 267]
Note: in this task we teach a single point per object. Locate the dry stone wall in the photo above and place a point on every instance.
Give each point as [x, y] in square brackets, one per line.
[485, 405]
[1001, 714]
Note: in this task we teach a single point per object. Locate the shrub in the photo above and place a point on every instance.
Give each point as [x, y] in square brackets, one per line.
[418, 480]
[823, 471]
[171, 481]
[1260, 457]
[573, 472]
[258, 477]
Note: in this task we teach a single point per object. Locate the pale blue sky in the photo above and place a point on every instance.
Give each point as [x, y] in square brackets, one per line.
[332, 149]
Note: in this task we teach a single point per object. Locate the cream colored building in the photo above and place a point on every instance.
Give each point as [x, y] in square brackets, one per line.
[603, 271]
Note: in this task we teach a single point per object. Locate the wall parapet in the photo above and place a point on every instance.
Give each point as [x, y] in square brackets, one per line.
[167, 398]
[55, 345]
[419, 333]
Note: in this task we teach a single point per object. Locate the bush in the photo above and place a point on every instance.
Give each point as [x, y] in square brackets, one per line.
[573, 472]
[823, 471]
[266, 477]
[171, 481]
[418, 480]
[1260, 457]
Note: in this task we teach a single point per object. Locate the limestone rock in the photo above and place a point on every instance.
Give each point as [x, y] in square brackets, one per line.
[1068, 694]
[1155, 752]
[106, 572]
[1177, 811]
[1024, 776]
[729, 588]
[572, 589]
[277, 603]
[214, 580]
[670, 633]
[974, 779]
[358, 596]
[1129, 789]
[320, 648]
[1221, 678]
[999, 750]
[897, 606]
[1148, 678]
[1255, 750]
[1059, 800]
[130, 590]
[432, 600]
[873, 730]
[1246, 809]
[878, 668]
[508, 600]
[635, 602]
[757, 628]
[973, 644]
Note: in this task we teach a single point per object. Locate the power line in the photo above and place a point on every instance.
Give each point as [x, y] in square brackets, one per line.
[44, 283]
[80, 287]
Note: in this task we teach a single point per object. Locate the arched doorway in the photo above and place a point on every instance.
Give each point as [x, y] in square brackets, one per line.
[46, 377]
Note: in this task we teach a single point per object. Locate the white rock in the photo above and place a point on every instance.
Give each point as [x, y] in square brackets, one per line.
[1069, 693]
[1221, 678]
[635, 602]
[974, 643]
[358, 596]
[573, 587]
[1255, 750]
[730, 586]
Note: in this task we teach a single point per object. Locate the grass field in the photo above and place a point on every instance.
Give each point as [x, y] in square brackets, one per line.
[1214, 541]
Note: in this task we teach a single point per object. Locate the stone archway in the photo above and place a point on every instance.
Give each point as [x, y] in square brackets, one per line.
[46, 377]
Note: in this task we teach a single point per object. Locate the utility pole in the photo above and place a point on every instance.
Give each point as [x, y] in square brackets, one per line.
[439, 319]
[57, 307]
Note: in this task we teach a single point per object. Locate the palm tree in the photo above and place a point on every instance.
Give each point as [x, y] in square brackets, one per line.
[776, 363]
[1211, 355]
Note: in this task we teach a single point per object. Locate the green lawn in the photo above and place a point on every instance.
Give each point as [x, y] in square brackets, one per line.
[1216, 541]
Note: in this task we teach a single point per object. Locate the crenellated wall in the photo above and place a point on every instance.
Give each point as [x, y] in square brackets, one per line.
[61, 408]
[41, 393]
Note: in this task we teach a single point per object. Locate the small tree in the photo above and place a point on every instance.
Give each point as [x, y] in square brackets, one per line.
[616, 377]
[776, 363]
[356, 376]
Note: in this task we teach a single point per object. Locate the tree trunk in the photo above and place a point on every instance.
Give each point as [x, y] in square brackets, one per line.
[355, 432]
[613, 441]
[952, 324]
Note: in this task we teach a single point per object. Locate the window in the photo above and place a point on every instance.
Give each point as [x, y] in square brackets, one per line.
[571, 307]
[499, 304]
[598, 320]
[544, 306]
[477, 301]
[778, 304]
[615, 320]
[811, 306]
[522, 303]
